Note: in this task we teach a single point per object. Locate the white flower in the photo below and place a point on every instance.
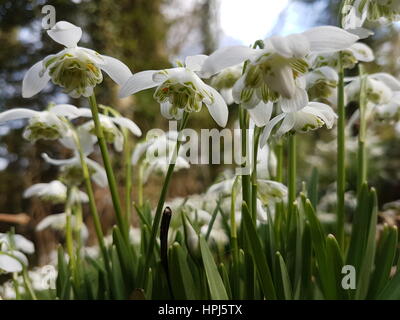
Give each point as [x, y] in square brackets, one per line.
[109, 125]
[180, 89]
[16, 241]
[225, 80]
[356, 12]
[272, 73]
[391, 109]
[72, 169]
[55, 192]
[58, 222]
[350, 57]
[46, 124]
[76, 69]
[271, 191]
[157, 153]
[311, 117]
[321, 83]
[11, 257]
[12, 261]
[380, 88]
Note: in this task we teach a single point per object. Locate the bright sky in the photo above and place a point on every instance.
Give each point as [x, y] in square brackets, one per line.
[249, 20]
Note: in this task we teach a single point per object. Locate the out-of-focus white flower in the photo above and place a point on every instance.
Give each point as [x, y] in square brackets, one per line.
[46, 124]
[156, 154]
[350, 57]
[272, 73]
[11, 257]
[312, 117]
[58, 222]
[391, 109]
[180, 89]
[109, 125]
[380, 88]
[270, 191]
[72, 169]
[321, 83]
[55, 192]
[356, 12]
[225, 80]
[77, 70]
[17, 242]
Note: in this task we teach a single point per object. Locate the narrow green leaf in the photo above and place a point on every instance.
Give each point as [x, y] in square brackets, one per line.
[258, 254]
[215, 283]
[287, 287]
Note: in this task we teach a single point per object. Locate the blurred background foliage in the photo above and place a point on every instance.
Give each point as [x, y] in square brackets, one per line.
[150, 34]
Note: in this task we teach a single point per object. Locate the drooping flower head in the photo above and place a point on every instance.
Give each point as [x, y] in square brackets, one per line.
[274, 72]
[180, 89]
[77, 70]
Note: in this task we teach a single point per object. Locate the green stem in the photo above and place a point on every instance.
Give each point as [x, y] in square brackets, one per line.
[341, 160]
[291, 174]
[256, 140]
[161, 201]
[28, 284]
[68, 231]
[279, 159]
[140, 185]
[128, 178]
[234, 244]
[362, 167]
[92, 204]
[246, 184]
[108, 167]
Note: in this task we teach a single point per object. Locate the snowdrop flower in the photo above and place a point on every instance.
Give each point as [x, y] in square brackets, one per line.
[225, 80]
[58, 222]
[157, 153]
[273, 73]
[11, 257]
[380, 88]
[271, 191]
[109, 125]
[55, 192]
[46, 124]
[180, 89]
[311, 117]
[16, 241]
[356, 12]
[350, 57]
[321, 83]
[391, 109]
[77, 70]
[12, 261]
[72, 169]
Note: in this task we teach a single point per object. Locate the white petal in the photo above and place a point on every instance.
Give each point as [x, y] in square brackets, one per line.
[18, 113]
[195, 63]
[65, 33]
[138, 82]
[295, 45]
[261, 114]
[287, 124]
[23, 244]
[225, 57]
[117, 70]
[268, 128]
[34, 80]
[9, 264]
[323, 111]
[59, 162]
[99, 176]
[127, 123]
[218, 108]
[362, 52]
[387, 79]
[65, 110]
[299, 101]
[34, 190]
[329, 38]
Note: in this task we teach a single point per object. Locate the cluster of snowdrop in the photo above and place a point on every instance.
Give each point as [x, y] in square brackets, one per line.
[282, 86]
